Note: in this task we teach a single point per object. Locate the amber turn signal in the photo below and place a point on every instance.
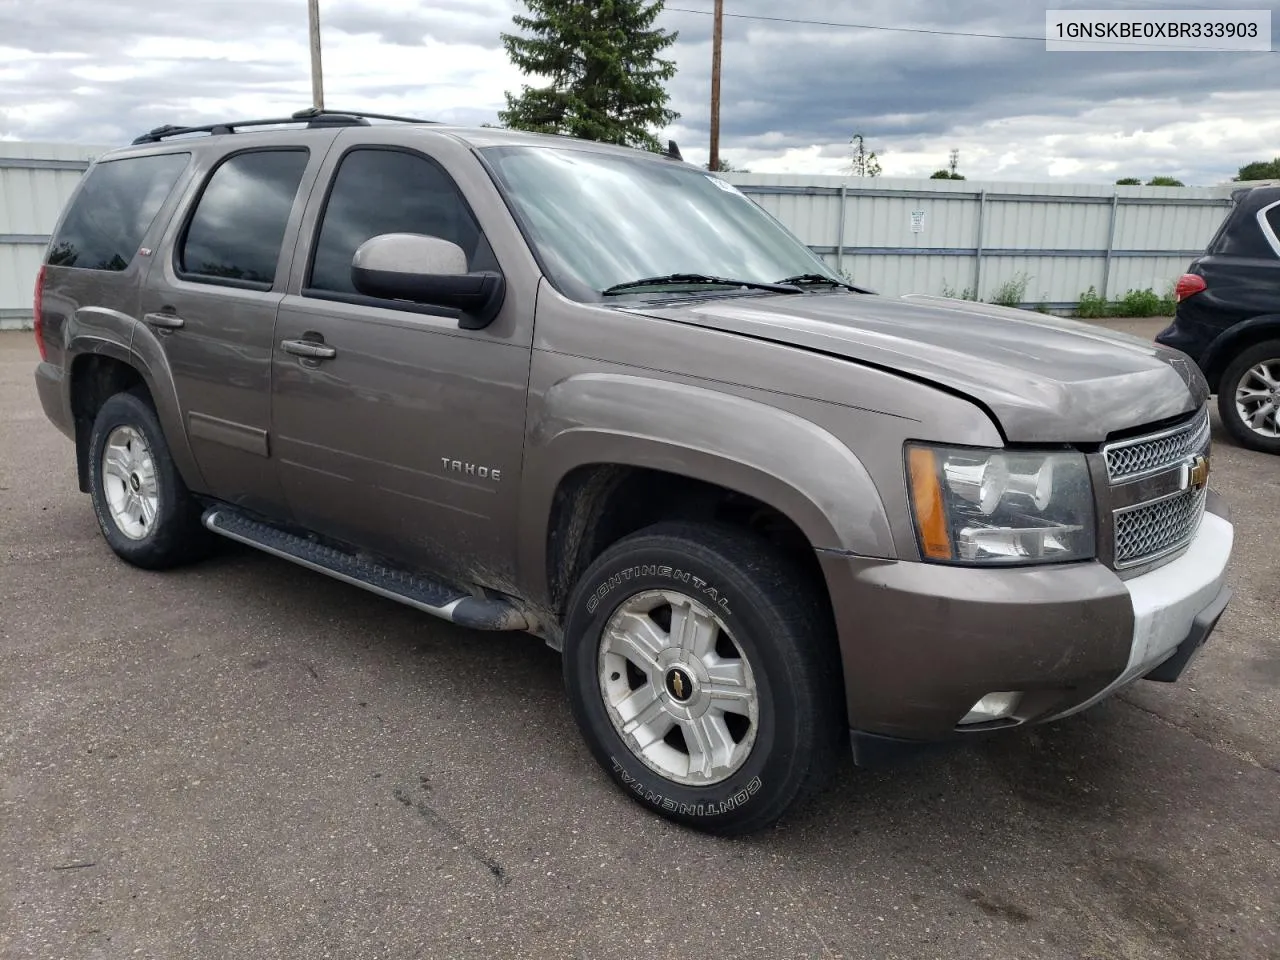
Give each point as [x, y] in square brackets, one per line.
[926, 495]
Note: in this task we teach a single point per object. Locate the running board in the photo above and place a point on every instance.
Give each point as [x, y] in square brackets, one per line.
[430, 596]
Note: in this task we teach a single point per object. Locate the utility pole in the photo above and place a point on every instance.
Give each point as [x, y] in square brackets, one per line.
[716, 37]
[317, 75]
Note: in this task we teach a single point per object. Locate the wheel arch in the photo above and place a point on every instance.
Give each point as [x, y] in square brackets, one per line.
[98, 368]
[1235, 339]
[596, 470]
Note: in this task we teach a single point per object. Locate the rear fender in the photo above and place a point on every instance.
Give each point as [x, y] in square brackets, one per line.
[152, 362]
[1222, 350]
[97, 331]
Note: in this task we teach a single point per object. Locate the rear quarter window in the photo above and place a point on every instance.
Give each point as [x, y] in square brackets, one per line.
[1273, 222]
[1241, 235]
[113, 210]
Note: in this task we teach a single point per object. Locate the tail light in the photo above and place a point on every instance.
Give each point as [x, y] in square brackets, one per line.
[37, 311]
[1189, 284]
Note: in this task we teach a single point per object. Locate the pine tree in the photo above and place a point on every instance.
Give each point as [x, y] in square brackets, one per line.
[601, 58]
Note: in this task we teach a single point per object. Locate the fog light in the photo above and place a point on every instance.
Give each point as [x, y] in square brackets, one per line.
[994, 706]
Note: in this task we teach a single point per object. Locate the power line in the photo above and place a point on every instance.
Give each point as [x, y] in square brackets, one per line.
[861, 26]
[944, 33]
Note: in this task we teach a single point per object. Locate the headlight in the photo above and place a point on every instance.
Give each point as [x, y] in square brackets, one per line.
[1000, 506]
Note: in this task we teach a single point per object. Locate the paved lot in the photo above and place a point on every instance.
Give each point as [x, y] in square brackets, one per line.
[248, 760]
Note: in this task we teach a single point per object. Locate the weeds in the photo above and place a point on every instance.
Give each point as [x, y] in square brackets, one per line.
[1135, 303]
[968, 293]
[1092, 306]
[1011, 292]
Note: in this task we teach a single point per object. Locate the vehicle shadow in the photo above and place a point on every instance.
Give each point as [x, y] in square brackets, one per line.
[1110, 829]
[1081, 770]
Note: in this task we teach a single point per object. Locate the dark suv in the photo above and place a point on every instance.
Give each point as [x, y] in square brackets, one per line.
[1228, 318]
[599, 395]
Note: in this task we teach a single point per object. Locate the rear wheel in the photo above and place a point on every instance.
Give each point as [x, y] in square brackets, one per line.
[702, 671]
[1249, 397]
[143, 508]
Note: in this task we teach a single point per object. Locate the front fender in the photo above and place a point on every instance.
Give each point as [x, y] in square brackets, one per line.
[773, 455]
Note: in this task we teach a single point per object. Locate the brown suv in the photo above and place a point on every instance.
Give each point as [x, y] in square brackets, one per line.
[595, 394]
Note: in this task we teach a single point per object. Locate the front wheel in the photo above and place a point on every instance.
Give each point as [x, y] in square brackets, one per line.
[702, 671]
[1249, 397]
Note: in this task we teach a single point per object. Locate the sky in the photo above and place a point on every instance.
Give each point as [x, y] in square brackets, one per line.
[102, 71]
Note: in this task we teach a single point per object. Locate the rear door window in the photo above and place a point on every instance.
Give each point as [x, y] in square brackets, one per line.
[239, 223]
[113, 210]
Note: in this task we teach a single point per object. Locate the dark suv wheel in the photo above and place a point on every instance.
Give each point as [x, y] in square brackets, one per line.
[144, 510]
[1249, 397]
[703, 673]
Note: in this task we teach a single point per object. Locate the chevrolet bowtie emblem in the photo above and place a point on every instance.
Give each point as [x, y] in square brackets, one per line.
[1197, 473]
[679, 685]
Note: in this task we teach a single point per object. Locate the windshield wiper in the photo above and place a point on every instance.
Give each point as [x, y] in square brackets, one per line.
[803, 278]
[695, 279]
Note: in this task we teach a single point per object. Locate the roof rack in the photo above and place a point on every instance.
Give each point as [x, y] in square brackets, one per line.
[312, 117]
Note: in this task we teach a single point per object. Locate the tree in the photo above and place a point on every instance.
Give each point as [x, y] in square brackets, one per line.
[727, 167]
[1129, 182]
[1165, 182]
[946, 175]
[601, 60]
[1260, 170]
[865, 163]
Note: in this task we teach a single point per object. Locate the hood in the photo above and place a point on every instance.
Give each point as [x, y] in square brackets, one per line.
[1045, 379]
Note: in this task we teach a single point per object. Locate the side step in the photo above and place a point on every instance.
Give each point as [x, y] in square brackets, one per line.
[430, 596]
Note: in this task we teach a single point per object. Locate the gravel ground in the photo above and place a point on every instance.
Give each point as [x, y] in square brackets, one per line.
[246, 759]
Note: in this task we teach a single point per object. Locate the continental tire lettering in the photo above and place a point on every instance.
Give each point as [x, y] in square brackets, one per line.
[687, 809]
[709, 593]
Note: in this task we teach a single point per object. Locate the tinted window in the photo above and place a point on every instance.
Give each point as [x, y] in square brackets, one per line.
[386, 191]
[112, 211]
[1240, 235]
[239, 223]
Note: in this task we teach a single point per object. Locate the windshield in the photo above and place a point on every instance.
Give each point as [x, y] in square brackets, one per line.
[598, 219]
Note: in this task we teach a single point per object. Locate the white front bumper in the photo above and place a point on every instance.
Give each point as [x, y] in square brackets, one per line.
[1167, 600]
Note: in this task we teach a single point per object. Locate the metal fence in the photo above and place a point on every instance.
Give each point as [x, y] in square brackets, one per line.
[1048, 244]
[36, 179]
[896, 236]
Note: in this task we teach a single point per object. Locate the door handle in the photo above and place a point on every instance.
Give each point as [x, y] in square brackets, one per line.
[163, 321]
[308, 348]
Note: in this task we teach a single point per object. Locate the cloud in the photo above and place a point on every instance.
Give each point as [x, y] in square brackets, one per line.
[792, 93]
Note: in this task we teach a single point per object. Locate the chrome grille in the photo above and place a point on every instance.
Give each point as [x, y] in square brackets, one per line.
[1157, 491]
[1141, 456]
[1151, 530]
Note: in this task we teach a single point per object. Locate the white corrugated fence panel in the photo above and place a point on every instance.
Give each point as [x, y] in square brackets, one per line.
[36, 180]
[19, 264]
[922, 236]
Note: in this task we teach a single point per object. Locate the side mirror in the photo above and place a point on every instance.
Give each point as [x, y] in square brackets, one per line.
[427, 270]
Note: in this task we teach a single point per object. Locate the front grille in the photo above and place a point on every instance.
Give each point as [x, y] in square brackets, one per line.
[1151, 530]
[1141, 456]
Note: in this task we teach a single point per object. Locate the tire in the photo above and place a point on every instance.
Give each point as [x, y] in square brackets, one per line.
[1242, 374]
[168, 532]
[781, 640]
